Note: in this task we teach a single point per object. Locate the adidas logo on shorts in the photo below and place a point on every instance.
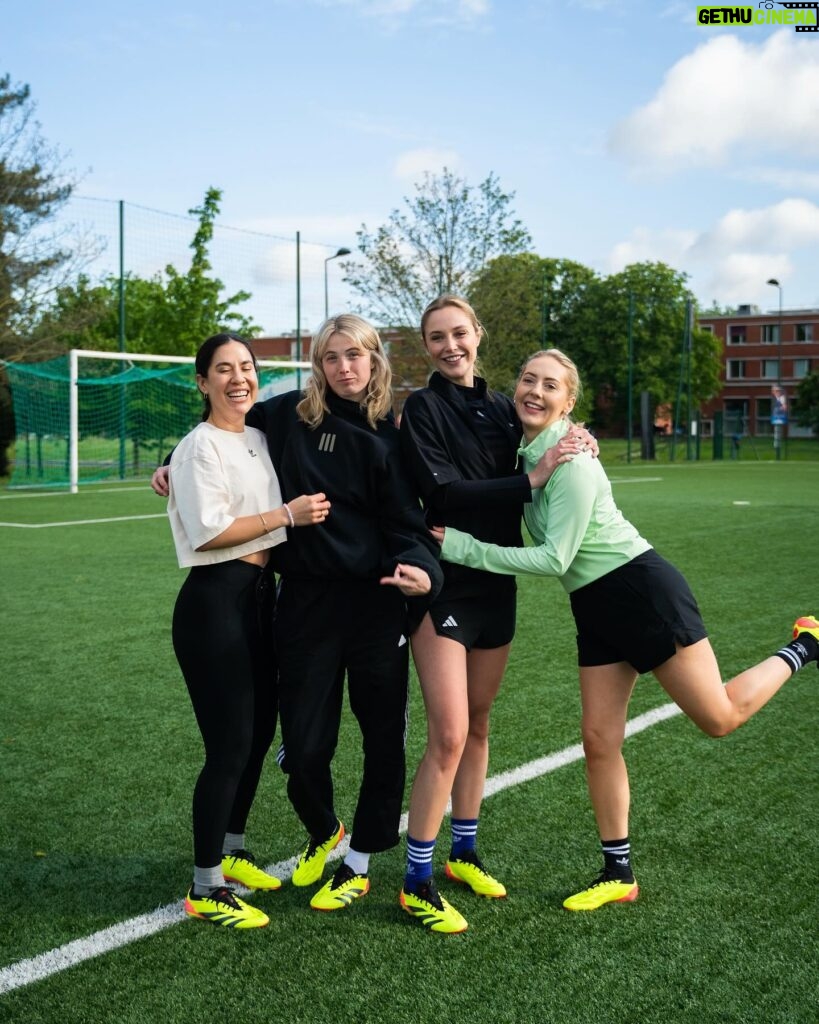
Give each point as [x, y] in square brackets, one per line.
[448, 623]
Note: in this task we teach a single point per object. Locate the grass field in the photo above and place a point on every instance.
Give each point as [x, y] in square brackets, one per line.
[99, 751]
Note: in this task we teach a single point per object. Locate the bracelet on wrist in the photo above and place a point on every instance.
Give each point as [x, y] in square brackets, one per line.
[264, 524]
[289, 515]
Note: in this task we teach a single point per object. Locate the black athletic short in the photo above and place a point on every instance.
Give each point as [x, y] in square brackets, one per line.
[637, 613]
[485, 621]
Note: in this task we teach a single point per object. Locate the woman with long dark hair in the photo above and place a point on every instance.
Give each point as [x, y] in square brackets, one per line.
[227, 515]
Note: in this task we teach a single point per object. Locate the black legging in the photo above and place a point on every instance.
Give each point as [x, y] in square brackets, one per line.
[222, 637]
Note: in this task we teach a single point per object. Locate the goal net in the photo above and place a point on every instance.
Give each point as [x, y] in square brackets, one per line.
[96, 416]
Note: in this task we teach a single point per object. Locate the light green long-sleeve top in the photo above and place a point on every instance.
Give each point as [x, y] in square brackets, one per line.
[579, 533]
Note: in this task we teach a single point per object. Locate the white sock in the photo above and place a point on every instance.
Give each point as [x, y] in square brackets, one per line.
[233, 841]
[357, 861]
[205, 879]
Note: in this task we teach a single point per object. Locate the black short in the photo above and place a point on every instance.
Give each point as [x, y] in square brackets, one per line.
[485, 621]
[637, 613]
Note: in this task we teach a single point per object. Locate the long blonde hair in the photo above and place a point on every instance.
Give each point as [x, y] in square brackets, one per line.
[378, 401]
[442, 302]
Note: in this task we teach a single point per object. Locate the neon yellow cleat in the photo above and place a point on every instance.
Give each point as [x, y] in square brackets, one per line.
[240, 866]
[344, 887]
[469, 870]
[223, 907]
[603, 890]
[806, 624]
[432, 910]
[311, 859]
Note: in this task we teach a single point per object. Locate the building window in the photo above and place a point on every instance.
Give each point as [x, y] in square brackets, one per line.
[707, 327]
[736, 335]
[735, 369]
[804, 332]
[770, 334]
[801, 368]
[770, 369]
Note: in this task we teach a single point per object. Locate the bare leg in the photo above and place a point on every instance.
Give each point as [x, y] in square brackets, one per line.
[605, 691]
[442, 671]
[692, 679]
[484, 668]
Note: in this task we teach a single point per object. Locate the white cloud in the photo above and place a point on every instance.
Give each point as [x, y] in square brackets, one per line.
[667, 246]
[732, 260]
[727, 95]
[412, 165]
[783, 178]
[741, 277]
[791, 224]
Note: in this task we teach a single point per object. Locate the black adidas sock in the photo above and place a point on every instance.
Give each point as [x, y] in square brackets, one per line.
[617, 859]
[799, 652]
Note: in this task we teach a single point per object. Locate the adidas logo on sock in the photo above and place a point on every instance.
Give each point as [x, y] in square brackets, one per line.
[448, 622]
[801, 650]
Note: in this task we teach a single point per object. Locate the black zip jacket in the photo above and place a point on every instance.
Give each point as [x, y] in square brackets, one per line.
[464, 482]
[376, 519]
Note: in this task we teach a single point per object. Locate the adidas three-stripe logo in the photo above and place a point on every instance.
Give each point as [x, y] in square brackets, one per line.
[327, 442]
[448, 621]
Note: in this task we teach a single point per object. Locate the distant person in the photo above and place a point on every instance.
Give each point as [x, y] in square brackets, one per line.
[633, 610]
[461, 439]
[226, 514]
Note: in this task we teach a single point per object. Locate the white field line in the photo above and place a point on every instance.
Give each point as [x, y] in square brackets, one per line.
[85, 522]
[160, 515]
[62, 494]
[24, 972]
[635, 480]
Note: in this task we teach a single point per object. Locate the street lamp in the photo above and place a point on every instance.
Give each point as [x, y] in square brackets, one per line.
[778, 413]
[341, 252]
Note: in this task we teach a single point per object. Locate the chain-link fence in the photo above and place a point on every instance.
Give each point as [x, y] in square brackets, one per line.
[289, 279]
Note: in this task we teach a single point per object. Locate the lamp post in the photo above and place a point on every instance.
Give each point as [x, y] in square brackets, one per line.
[778, 414]
[341, 252]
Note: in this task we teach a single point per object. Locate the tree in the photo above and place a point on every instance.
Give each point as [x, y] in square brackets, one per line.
[438, 242]
[807, 402]
[170, 313]
[33, 187]
[525, 303]
[658, 296]
[192, 307]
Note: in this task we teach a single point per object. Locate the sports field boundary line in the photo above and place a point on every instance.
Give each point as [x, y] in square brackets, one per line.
[37, 968]
[85, 522]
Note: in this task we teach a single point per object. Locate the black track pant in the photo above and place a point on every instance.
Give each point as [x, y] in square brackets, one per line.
[324, 629]
[222, 636]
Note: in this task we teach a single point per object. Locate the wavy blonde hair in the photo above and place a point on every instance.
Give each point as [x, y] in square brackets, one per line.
[378, 401]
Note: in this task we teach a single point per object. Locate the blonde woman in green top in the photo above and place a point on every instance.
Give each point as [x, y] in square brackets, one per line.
[634, 613]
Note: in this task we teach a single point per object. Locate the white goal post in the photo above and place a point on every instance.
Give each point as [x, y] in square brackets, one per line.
[132, 357]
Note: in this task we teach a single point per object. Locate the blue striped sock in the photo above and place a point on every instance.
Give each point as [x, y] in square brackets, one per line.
[419, 862]
[464, 835]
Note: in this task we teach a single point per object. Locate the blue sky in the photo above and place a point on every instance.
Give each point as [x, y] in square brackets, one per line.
[626, 131]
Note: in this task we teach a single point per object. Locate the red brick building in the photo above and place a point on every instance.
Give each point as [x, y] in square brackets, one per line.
[760, 352]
